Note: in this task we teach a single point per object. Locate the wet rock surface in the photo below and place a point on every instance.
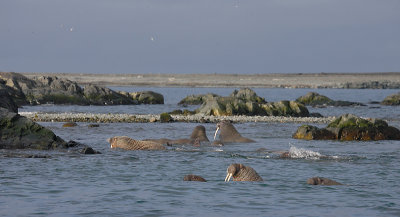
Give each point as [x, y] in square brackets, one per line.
[393, 99]
[318, 100]
[349, 127]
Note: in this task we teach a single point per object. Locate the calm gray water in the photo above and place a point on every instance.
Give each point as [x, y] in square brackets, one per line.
[149, 183]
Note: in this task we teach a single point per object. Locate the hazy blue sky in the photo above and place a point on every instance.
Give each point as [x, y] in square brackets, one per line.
[199, 36]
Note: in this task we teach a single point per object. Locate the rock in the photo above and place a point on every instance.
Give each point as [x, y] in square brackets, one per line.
[393, 99]
[148, 97]
[315, 99]
[197, 99]
[246, 102]
[308, 132]
[93, 125]
[7, 102]
[70, 124]
[247, 95]
[286, 108]
[97, 95]
[53, 90]
[165, 117]
[19, 132]
[350, 127]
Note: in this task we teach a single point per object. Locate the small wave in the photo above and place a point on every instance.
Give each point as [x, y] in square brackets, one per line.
[295, 152]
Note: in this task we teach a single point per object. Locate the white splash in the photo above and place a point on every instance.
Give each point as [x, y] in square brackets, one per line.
[303, 153]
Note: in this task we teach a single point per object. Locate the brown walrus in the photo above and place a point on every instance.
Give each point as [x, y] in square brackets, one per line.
[197, 137]
[321, 181]
[192, 177]
[127, 143]
[229, 134]
[240, 172]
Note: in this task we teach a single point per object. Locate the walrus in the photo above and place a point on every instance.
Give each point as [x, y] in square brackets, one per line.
[321, 181]
[192, 177]
[229, 134]
[240, 172]
[127, 143]
[197, 137]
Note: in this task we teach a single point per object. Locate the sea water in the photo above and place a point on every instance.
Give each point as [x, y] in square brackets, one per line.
[150, 183]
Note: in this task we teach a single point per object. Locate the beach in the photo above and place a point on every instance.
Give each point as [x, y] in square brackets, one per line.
[383, 80]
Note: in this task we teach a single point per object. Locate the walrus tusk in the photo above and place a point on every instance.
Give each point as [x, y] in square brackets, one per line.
[228, 177]
[215, 134]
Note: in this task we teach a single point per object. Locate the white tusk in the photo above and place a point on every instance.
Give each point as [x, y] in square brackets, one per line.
[215, 134]
[228, 177]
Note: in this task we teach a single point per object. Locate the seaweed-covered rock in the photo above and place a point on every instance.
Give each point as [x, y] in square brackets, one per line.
[246, 102]
[350, 127]
[286, 108]
[315, 99]
[309, 132]
[165, 117]
[393, 99]
[197, 99]
[247, 95]
[148, 97]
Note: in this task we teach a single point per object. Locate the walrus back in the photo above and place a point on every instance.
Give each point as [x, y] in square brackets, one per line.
[127, 143]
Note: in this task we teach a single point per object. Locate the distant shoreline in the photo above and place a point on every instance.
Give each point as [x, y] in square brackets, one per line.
[379, 80]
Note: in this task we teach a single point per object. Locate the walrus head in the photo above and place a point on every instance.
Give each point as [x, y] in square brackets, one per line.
[228, 133]
[231, 171]
[199, 133]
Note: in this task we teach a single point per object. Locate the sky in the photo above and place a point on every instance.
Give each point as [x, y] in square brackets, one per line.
[200, 36]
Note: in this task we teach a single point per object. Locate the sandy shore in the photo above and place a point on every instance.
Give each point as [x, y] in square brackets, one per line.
[131, 118]
[309, 80]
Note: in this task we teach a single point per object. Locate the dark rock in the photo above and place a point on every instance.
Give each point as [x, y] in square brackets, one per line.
[317, 100]
[97, 95]
[89, 150]
[148, 97]
[7, 102]
[393, 99]
[350, 127]
[93, 125]
[19, 132]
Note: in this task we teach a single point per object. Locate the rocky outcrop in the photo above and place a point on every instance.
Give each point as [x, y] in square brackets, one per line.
[315, 99]
[246, 102]
[393, 99]
[19, 132]
[350, 127]
[50, 89]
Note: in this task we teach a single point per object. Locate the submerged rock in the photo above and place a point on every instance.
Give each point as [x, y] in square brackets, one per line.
[350, 127]
[321, 181]
[393, 99]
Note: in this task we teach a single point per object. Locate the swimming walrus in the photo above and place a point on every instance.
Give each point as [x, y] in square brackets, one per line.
[321, 181]
[229, 134]
[192, 177]
[127, 143]
[240, 172]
